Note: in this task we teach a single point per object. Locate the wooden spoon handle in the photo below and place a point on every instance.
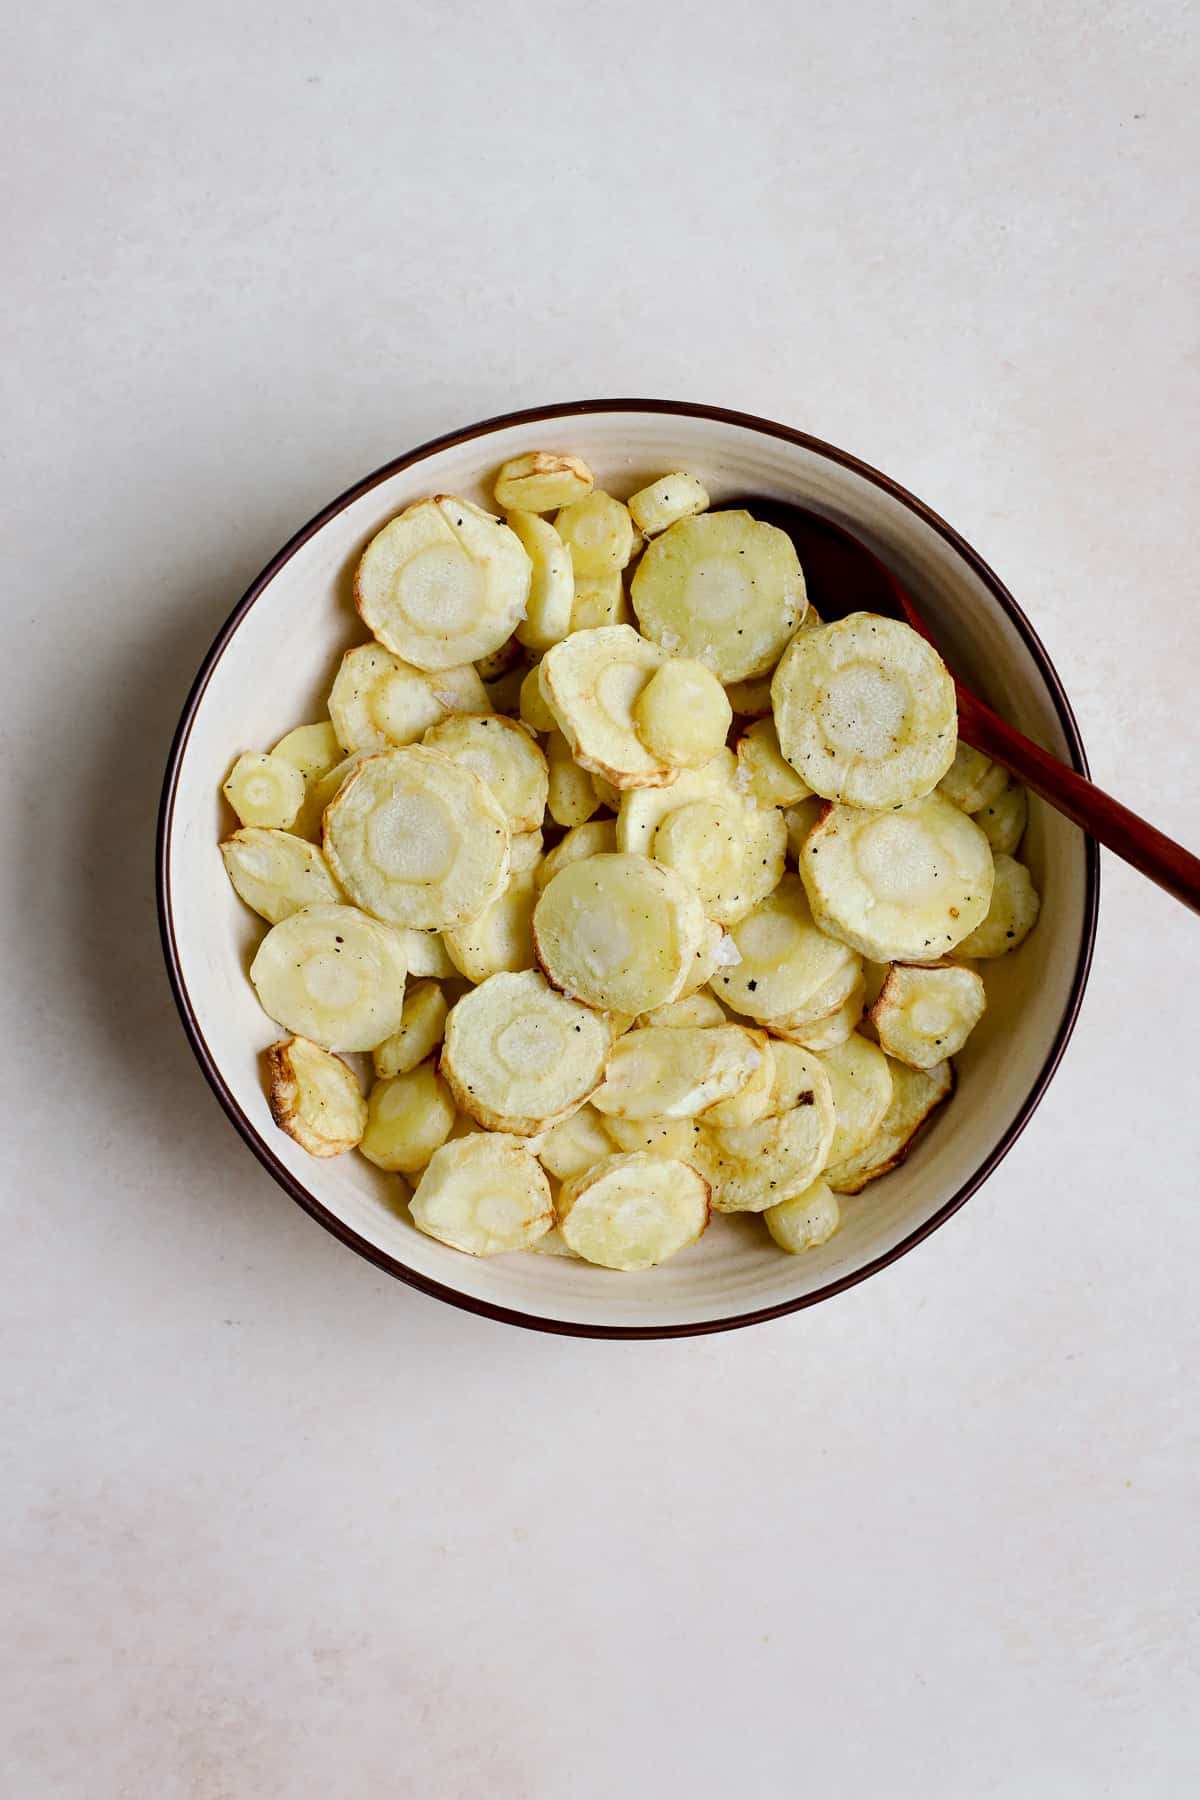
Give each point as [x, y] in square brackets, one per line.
[1110, 823]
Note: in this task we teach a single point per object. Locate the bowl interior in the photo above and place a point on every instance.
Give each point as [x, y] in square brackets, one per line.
[272, 670]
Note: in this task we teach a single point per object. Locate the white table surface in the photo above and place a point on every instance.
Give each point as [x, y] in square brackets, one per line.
[275, 1525]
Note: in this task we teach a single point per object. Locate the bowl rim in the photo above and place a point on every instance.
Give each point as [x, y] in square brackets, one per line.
[249, 1132]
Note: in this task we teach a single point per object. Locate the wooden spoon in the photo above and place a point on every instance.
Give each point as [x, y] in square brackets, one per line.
[843, 576]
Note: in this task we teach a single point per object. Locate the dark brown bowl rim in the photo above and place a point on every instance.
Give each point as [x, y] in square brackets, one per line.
[244, 1126]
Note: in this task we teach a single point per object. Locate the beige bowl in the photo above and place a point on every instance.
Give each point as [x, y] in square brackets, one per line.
[271, 666]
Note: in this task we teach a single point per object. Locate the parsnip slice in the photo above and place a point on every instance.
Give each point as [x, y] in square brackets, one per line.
[600, 600]
[633, 1212]
[752, 1167]
[519, 1056]
[504, 756]
[1003, 821]
[805, 1222]
[598, 532]
[682, 714]
[671, 497]
[552, 1243]
[592, 839]
[1011, 914]
[276, 872]
[861, 1078]
[723, 589]
[542, 481]
[332, 974]
[525, 853]
[715, 950]
[320, 792]
[314, 1097]
[800, 820]
[313, 749]
[696, 1009]
[418, 839]
[619, 932]
[874, 975]
[590, 682]
[792, 1079]
[571, 795]
[377, 701]
[916, 1093]
[642, 810]
[500, 940]
[833, 1029]
[924, 1015]
[865, 711]
[786, 959]
[655, 1137]
[422, 1026]
[900, 886]
[424, 953]
[460, 689]
[762, 770]
[484, 1194]
[501, 662]
[552, 586]
[264, 790]
[609, 796]
[753, 1101]
[573, 1146]
[443, 583]
[973, 780]
[532, 704]
[665, 1072]
[843, 986]
[408, 1117]
[733, 853]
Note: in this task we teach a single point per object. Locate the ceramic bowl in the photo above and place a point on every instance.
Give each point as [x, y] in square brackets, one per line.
[270, 668]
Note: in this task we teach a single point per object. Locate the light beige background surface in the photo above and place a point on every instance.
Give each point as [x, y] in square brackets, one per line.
[274, 1525]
